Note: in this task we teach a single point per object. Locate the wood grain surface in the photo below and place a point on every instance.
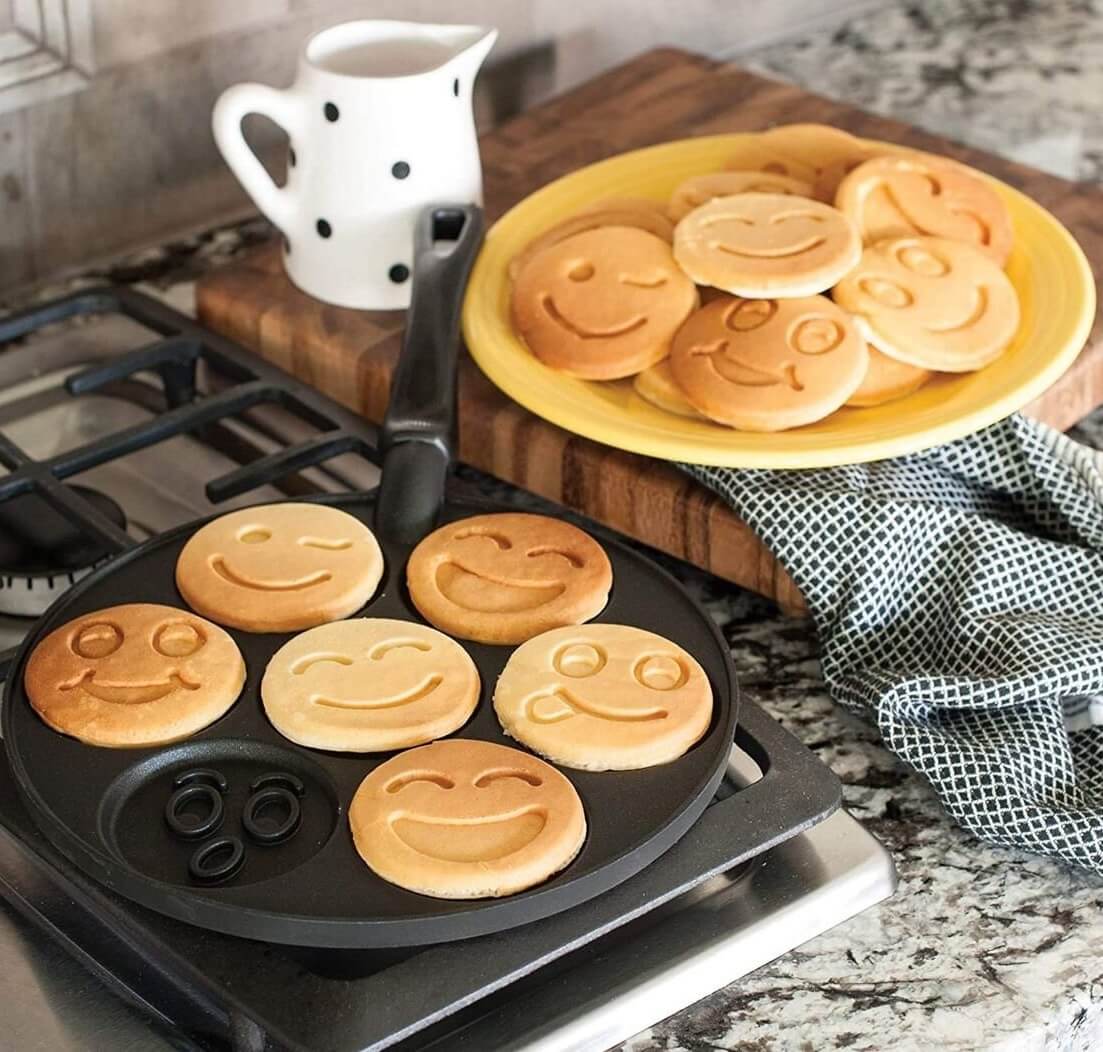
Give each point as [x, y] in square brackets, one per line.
[661, 95]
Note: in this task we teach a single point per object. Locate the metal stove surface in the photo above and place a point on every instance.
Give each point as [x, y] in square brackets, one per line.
[57, 996]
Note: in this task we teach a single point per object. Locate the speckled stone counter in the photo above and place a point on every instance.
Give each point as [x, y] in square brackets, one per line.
[981, 948]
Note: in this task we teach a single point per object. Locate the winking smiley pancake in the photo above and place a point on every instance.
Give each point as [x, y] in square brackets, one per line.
[369, 685]
[279, 567]
[604, 697]
[603, 304]
[462, 819]
[133, 675]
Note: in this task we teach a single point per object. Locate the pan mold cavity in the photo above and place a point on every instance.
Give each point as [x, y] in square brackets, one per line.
[219, 813]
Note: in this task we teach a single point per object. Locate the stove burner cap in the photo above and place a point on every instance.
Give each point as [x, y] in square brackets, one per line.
[36, 539]
[42, 553]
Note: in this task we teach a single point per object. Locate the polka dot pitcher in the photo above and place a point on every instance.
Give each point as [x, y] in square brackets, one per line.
[380, 123]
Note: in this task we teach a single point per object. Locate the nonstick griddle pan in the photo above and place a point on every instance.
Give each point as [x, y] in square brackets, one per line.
[238, 829]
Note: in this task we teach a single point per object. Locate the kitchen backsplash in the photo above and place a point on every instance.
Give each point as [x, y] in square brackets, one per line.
[105, 138]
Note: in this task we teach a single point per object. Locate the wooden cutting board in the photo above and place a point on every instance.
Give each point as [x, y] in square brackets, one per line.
[661, 95]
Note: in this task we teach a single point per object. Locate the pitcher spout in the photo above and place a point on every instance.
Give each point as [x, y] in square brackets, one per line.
[472, 45]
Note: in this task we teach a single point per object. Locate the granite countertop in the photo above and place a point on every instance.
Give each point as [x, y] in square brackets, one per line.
[981, 947]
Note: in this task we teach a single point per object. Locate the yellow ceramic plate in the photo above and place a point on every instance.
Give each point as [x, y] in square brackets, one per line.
[1047, 267]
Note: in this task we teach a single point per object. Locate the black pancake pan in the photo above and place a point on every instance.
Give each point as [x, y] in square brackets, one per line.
[134, 818]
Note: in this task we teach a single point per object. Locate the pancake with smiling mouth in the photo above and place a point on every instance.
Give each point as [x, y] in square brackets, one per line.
[477, 840]
[477, 592]
[127, 693]
[408, 697]
[220, 567]
[463, 818]
[609, 333]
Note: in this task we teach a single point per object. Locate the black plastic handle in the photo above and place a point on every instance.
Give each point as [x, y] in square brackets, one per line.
[418, 435]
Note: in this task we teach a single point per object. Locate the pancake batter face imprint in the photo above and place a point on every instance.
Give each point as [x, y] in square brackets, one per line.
[369, 685]
[604, 697]
[918, 195]
[700, 189]
[766, 245]
[602, 305]
[932, 303]
[280, 567]
[465, 819]
[133, 675]
[506, 578]
[767, 365]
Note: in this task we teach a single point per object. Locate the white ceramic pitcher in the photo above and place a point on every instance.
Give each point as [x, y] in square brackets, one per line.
[380, 123]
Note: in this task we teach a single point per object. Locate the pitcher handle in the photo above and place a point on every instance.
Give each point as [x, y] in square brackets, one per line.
[230, 110]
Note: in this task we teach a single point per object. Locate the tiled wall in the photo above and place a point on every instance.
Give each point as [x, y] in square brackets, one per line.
[127, 158]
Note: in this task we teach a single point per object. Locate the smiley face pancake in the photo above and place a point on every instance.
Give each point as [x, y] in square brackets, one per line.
[926, 196]
[635, 212]
[603, 304]
[506, 578]
[886, 380]
[279, 567]
[658, 386]
[759, 245]
[767, 365]
[700, 189]
[369, 685]
[133, 675]
[604, 698]
[463, 819]
[932, 303]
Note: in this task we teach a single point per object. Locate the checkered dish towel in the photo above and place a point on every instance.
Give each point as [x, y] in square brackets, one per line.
[958, 594]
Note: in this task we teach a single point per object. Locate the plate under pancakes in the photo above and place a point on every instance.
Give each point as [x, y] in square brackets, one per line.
[1048, 269]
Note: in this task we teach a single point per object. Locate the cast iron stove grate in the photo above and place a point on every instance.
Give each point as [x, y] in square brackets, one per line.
[228, 990]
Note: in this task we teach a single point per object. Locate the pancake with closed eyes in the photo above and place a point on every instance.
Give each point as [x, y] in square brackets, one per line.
[507, 577]
[766, 245]
[464, 819]
[369, 684]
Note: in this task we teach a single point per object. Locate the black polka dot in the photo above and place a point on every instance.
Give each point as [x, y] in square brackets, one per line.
[324, 229]
[456, 87]
[331, 112]
[286, 245]
[399, 273]
[291, 158]
[400, 169]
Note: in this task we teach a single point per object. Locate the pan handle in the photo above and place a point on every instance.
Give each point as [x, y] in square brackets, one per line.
[418, 435]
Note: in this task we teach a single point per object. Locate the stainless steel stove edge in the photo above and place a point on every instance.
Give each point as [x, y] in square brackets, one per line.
[800, 889]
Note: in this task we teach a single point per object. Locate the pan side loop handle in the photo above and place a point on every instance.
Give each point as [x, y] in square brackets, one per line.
[419, 429]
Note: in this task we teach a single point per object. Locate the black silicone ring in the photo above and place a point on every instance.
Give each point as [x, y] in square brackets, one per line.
[202, 774]
[207, 824]
[258, 801]
[203, 871]
[284, 778]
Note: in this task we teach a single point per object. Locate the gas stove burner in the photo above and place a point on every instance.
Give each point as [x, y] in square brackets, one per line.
[42, 553]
